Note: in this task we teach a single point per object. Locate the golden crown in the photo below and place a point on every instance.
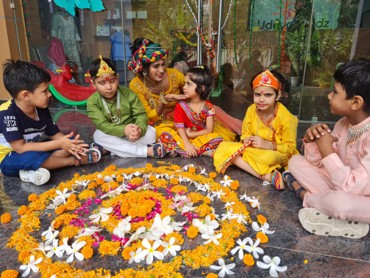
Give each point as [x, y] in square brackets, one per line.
[104, 68]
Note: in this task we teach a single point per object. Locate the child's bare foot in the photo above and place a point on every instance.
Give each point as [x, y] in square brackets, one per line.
[157, 150]
[92, 156]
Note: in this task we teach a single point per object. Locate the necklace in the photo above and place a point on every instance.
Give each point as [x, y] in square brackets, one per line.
[117, 117]
[354, 134]
[148, 92]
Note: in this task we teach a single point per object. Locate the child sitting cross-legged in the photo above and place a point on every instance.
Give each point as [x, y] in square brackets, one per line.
[119, 116]
[25, 122]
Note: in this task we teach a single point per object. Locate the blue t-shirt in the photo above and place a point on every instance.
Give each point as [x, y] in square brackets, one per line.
[15, 125]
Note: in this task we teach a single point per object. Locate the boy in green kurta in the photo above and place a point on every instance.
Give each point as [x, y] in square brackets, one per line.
[119, 116]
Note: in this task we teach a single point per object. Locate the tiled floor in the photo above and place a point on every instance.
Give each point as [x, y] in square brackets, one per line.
[305, 255]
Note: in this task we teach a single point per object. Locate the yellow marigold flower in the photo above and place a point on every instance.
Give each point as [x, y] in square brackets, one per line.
[59, 210]
[234, 185]
[9, 273]
[192, 169]
[212, 175]
[100, 181]
[192, 232]
[262, 237]
[6, 218]
[179, 188]
[119, 179]
[126, 253]
[109, 247]
[72, 198]
[212, 275]
[248, 260]
[174, 181]
[86, 194]
[32, 197]
[69, 231]
[87, 252]
[124, 208]
[136, 181]
[92, 185]
[22, 210]
[152, 178]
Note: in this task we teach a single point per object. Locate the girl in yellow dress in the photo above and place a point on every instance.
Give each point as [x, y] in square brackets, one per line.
[268, 134]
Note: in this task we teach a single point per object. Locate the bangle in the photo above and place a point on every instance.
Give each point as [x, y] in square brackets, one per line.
[162, 99]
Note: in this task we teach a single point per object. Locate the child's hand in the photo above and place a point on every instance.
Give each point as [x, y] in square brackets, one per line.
[189, 133]
[315, 132]
[190, 149]
[132, 132]
[325, 144]
[259, 143]
[74, 146]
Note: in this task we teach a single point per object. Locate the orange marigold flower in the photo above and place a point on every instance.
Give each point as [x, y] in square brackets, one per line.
[152, 178]
[119, 179]
[234, 185]
[22, 210]
[87, 252]
[9, 273]
[6, 218]
[109, 247]
[192, 232]
[149, 166]
[212, 175]
[261, 219]
[212, 275]
[126, 253]
[192, 169]
[248, 260]
[59, 210]
[86, 194]
[174, 181]
[23, 255]
[262, 237]
[32, 197]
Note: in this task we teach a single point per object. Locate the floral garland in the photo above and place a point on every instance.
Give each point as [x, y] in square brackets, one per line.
[185, 39]
[139, 216]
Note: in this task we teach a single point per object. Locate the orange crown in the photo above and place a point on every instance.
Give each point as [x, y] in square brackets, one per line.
[267, 79]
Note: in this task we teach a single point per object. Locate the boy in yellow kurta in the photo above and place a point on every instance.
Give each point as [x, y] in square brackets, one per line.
[268, 134]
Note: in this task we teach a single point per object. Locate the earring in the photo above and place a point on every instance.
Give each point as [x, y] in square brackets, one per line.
[144, 73]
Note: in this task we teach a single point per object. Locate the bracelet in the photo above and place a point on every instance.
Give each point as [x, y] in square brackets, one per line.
[162, 99]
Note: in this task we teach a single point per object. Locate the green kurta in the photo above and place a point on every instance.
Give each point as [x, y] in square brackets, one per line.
[132, 112]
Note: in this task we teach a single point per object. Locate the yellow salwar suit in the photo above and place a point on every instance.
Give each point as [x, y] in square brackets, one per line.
[282, 130]
[165, 122]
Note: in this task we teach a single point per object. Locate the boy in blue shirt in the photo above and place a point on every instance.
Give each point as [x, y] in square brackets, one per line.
[25, 122]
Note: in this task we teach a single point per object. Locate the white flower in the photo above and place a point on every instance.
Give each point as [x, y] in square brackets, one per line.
[241, 218]
[203, 171]
[177, 226]
[207, 225]
[273, 264]
[253, 248]
[63, 195]
[228, 215]
[42, 247]
[88, 231]
[212, 238]
[73, 251]
[241, 248]
[49, 231]
[62, 248]
[150, 252]
[102, 214]
[161, 226]
[53, 249]
[135, 236]
[225, 269]
[229, 204]
[218, 193]
[244, 196]
[30, 266]
[263, 228]
[254, 202]
[50, 237]
[226, 181]
[170, 247]
[135, 256]
[123, 227]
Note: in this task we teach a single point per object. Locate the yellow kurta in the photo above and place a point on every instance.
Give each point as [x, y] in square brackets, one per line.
[282, 131]
[166, 123]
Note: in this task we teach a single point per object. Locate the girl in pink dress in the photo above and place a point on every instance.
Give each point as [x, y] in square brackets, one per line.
[196, 131]
[333, 178]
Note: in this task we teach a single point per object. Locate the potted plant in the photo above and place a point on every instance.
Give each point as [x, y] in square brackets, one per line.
[295, 44]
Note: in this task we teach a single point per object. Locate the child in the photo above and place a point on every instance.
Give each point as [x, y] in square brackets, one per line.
[193, 118]
[268, 134]
[119, 116]
[333, 177]
[26, 122]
